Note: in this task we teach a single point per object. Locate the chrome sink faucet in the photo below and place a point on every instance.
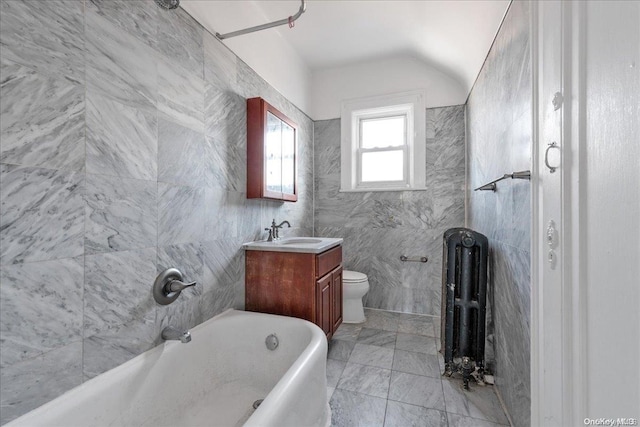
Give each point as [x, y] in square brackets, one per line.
[171, 333]
[273, 231]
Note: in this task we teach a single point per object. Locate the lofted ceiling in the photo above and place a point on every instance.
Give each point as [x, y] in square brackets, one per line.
[452, 36]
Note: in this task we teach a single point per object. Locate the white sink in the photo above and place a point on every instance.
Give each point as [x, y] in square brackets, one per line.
[298, 240]
[313, 245]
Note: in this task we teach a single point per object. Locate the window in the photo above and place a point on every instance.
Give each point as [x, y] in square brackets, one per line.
[383, 143]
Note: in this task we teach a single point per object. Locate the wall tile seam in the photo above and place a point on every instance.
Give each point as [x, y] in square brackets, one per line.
[42, 354]
[119, 251]
[204, 80]
[126, 178]
[15, 264]
[6, 265]
[195, 187]
[313, 178]
[48, 73]
[85, 201]
[21, 165]
[158, 204]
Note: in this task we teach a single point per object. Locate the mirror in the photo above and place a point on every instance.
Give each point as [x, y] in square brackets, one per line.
[273, 154]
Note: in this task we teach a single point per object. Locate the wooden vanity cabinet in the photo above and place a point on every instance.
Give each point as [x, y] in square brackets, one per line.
[303, 285]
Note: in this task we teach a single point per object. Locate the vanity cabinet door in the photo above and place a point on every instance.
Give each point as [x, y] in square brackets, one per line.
[271, 153]
[323, 304]
[329, 302]
[336, 297]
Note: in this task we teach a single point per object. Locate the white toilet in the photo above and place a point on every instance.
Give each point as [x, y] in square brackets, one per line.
[354, 286]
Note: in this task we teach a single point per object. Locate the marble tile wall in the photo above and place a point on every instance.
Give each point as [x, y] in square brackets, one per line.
[499, 136]
[122, 153]
[378, 227]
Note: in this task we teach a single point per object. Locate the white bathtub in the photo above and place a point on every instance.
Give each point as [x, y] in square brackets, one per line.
[211, 381]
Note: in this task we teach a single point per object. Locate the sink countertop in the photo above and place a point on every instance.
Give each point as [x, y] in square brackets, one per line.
[312, 245]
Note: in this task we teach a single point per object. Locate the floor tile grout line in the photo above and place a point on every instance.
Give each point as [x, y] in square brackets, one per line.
[388, 369]
[478, 419]
[420, 406]
[359, 392]
[417, 375]
[386, 407]
[444, 396]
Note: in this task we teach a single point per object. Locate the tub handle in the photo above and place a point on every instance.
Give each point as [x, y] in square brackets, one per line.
[177, 286]
[168, 285]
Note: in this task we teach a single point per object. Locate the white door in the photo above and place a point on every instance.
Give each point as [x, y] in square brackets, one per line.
[610, 209]
[586, 219]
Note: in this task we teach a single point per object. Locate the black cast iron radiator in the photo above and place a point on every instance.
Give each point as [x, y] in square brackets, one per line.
[464, 296]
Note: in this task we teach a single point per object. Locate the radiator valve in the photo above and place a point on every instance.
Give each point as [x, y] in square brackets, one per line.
[467, 368]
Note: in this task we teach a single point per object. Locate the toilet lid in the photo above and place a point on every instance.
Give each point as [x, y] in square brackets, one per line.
[353, 276]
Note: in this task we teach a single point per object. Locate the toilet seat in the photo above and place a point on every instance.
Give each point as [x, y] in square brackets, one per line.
[349, 276]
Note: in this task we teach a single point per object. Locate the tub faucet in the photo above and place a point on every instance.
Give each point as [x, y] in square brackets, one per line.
[171, 333]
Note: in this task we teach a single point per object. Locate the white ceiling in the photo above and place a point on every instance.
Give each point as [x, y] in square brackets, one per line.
[450, 35]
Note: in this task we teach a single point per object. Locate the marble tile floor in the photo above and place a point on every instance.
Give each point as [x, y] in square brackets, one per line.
[387, 372]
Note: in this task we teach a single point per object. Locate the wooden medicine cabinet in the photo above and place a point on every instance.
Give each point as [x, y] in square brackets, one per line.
[271, 153]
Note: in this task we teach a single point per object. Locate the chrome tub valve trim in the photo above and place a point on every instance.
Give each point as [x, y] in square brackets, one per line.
[168, 286]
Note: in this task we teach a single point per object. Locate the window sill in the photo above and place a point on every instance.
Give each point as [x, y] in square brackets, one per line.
[371, 190]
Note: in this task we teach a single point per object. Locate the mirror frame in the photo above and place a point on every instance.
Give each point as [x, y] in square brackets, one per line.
[257, 109]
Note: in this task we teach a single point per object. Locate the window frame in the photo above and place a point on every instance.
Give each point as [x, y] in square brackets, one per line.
[354, 112]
